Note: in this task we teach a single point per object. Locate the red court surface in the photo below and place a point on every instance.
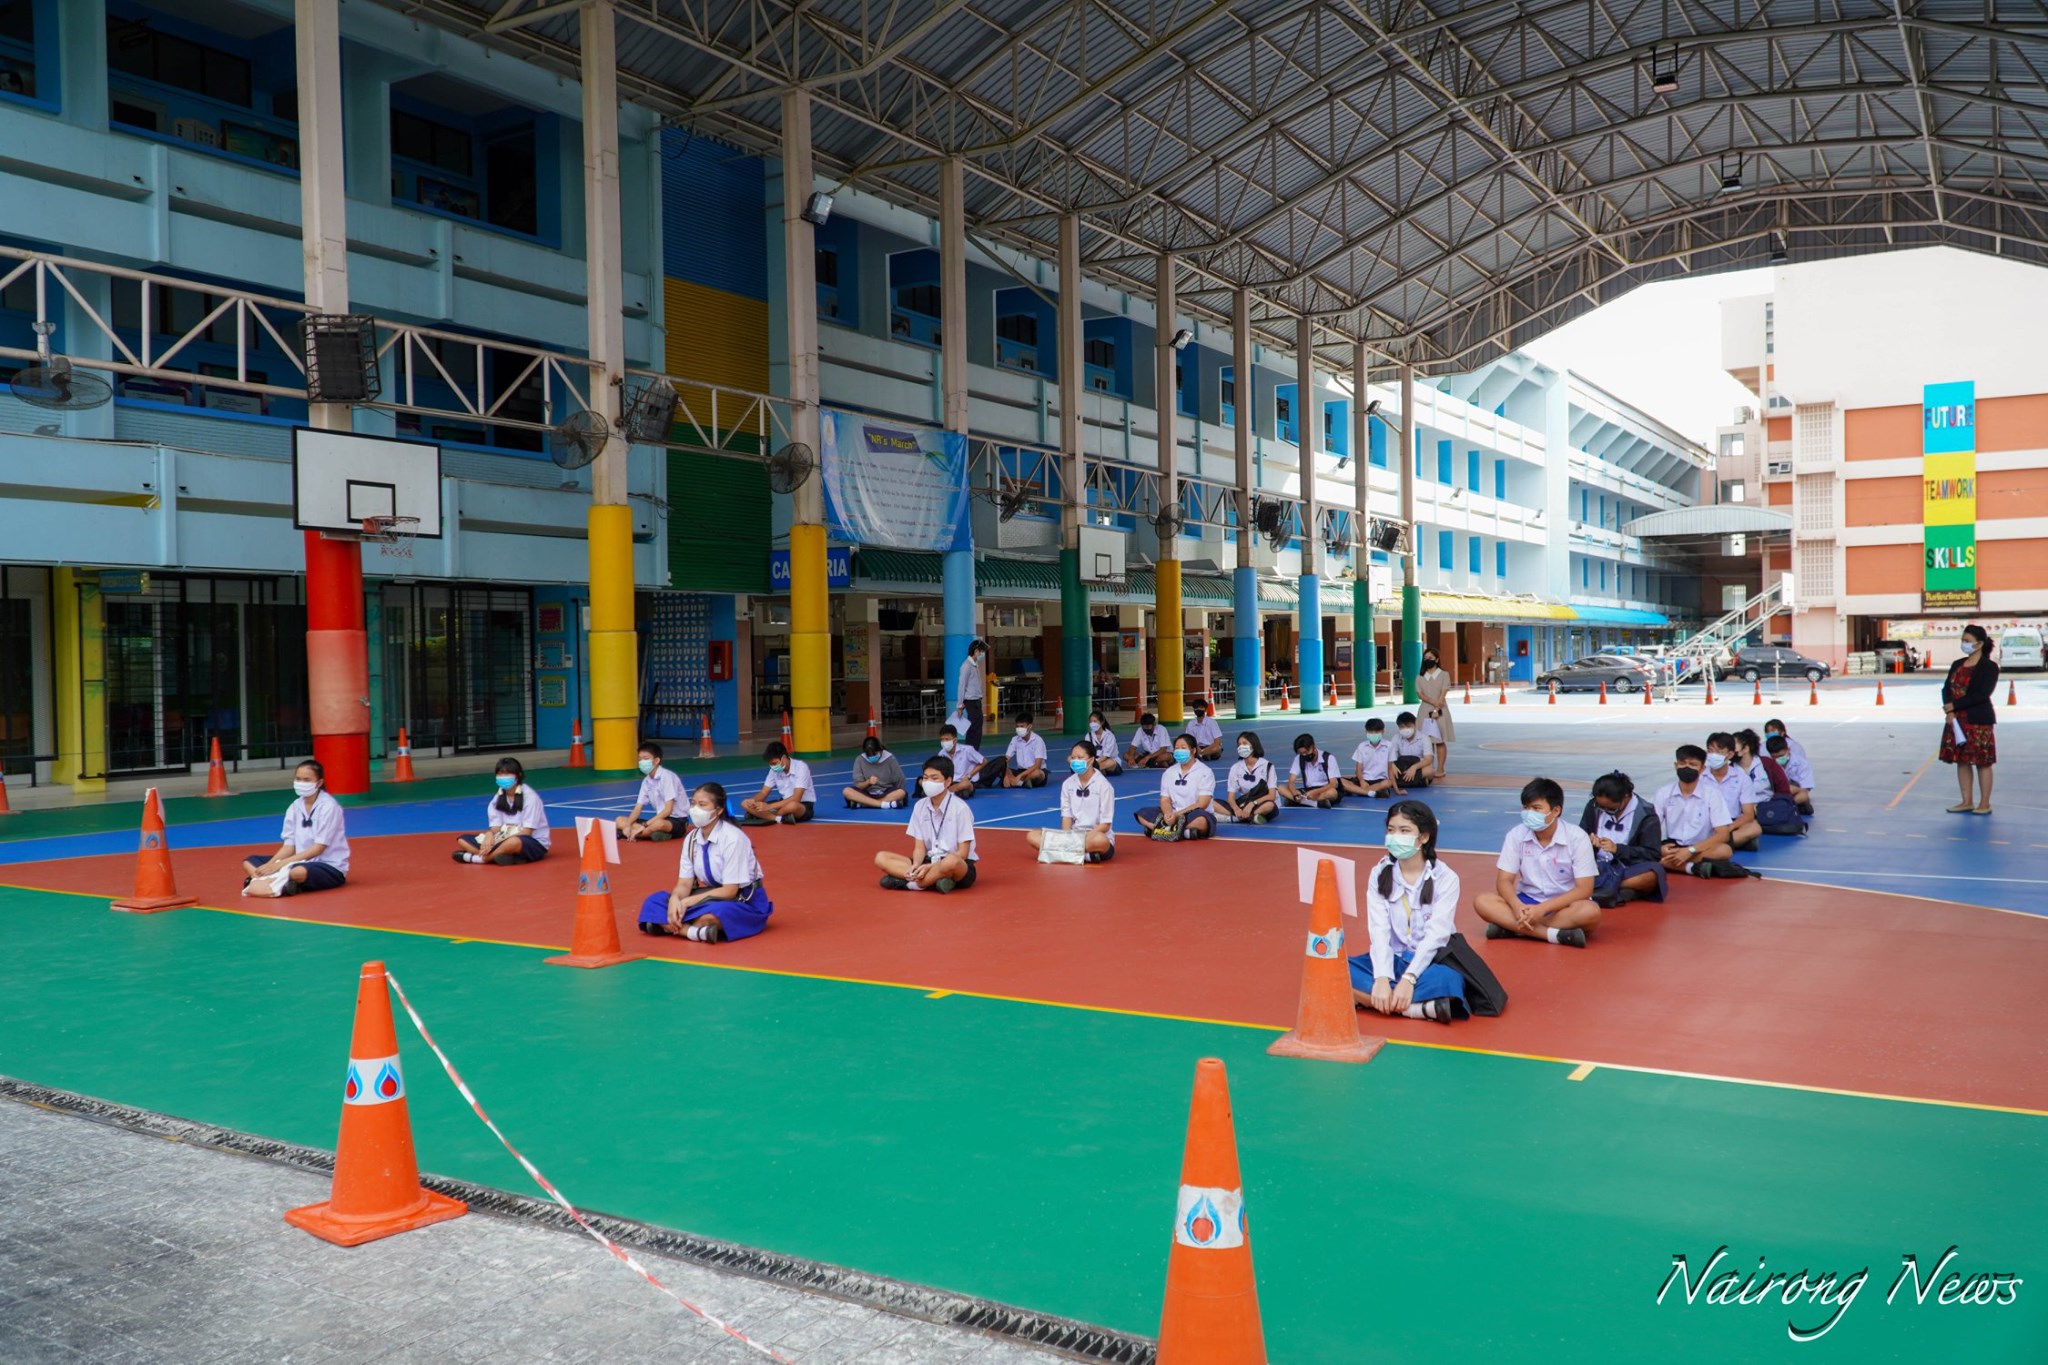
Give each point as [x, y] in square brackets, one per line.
[1759, 980]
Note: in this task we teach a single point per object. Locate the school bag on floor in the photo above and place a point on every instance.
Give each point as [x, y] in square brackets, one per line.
[1779, 815]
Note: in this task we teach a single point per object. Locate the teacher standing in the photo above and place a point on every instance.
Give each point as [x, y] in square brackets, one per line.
[1433, 693]
[1966, 702]
[973, 687]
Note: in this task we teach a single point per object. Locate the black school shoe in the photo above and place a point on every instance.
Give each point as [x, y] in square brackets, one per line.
[893, 883]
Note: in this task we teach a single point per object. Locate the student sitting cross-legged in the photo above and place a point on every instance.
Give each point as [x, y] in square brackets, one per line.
[1150, 747]
[1023, 763]
[965, 759]
[788, 796]
[1543, 887]
[1371, 765]
[1087, 804]
[1696, 823]
[661, 797]
[1186, 791]
[1628, 842]
[719, 893]
[1411, 911]
[1798, 772]
[313, 854]
[941, 833]
[1412, 753]
[1248, 793]
[518, 823]
[1107, 758]
[1205, 732]
[877, 778]
[1313, 778]
[1731, 782]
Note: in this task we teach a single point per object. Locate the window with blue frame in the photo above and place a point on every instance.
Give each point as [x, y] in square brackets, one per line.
[1585, 573]
[1443, 462]
[1025, 328]
[211, 353]
[488, 167]
[1603, 575]
[1187, 375]
[1446, 550]
[914, 297]
[1226, 396]
[1500, 559]
[1500, 479]
[1376, 442]
[1472, 470]
[1104, 360]
[28, 51]
[1585, 505]
[1337, 427]
[838, 265]
[233, 94]
[1478, 554]
[1283, 414]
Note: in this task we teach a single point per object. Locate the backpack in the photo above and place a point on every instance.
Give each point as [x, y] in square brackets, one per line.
[1484, 995]
[1778, 815]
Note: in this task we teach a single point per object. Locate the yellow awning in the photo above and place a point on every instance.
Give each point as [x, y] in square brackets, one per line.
[1479, 608]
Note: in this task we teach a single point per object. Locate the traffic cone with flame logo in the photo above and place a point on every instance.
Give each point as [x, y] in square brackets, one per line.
[1326, 1023]
[155, 888]
[1211, 1314]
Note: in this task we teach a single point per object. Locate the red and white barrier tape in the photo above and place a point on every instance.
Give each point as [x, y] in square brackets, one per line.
[607, 1243]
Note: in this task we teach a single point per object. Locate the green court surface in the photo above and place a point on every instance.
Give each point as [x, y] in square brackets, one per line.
[1437, 1202]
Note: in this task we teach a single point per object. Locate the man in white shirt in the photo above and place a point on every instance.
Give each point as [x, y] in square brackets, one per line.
[941, 829]
[965, 760]
[1735, 788]
[1696, 822]
[1371, 764]
[1206, 733]
[1150, 746]
[661, 796]
[1313, 778]
[1543, 884]
[1797, 771]
[1023, 763]
[788, 796]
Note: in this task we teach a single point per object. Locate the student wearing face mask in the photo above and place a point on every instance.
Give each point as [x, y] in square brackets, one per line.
[973, 687]
[1087, 804]
[1433, 698]
[1969, 736]
[1798, 772]
[1150, 747]
[1023, 763]
[720, 894]
[1104, 740]
[1186, 792]
[877, 779]
[1372, 764]
[661, 795]
[966, 761]
[941, 829]
[788, 795]
[517, 831]
[1206, 733]
[1543, 883]
[1313, 779]
[1775, 728]
[1248, 793]
[1628, 842]
[1695, 820]
[1411, 911]
[1733, 785]
[1411, 753]
[312, 854]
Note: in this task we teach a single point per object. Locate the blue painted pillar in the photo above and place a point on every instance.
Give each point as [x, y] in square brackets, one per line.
[1244, 665]
[1308, 644]
[957, 599]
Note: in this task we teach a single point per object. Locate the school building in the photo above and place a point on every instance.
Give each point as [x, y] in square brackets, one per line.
[1900, 442]
[153, 565]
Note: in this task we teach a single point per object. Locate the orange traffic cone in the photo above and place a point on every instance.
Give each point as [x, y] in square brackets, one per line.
[1603, 694]
[1553, 691]
[1898, 663]
[1211, 1313]
[1326, 1024]
[595, 942]
[1468, 691]
[577, 758]
[1332, 685]
[1059, 715]
[1503, 691]
[1812, 692]
[704, 749]
[1710, 689]
[1758, 699]
[216, 776]
[401, 762]
[873, 732]
[5, 808]
[377, 1190]
[1880, 689]
[155, 888]
[1283, 696]
[787, 741]
[2012, 698]
[1649, 699]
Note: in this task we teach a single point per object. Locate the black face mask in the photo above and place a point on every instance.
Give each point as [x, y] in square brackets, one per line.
[1687, 776]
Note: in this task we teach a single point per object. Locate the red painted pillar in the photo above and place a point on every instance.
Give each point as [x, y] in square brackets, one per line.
[338, 662]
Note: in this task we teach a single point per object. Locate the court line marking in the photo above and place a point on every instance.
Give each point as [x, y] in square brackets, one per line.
[1581, 1071]
[1922, 772]
[1138, 1014]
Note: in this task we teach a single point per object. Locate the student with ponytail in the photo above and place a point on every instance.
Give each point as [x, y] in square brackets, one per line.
[1411, 913]
[719, 894]
[517, 831]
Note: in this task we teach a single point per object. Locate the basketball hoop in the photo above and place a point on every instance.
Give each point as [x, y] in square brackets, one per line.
[395, 534]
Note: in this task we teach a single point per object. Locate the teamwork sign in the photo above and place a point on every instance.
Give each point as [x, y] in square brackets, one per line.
[890, 484]
[1948, 506]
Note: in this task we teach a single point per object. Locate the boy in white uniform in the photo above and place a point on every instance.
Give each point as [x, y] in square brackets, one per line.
[313, 852]
[1372, 763]
[965, 760]
[1414, 753]
[1797, 771]
[941, 830]
[1736, 790]
[1695, 821]
[1186, 791]
[1313, 779]
[1544, 883]
[1088, 804]
[661, 794]
[1024, 761]
[1206, 733]
[789, 795]
[1150, 747]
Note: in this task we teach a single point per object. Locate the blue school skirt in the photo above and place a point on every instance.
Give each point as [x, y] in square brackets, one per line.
[1437, 982]
[742, 918]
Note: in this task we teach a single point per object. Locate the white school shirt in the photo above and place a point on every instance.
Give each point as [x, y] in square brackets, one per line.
[1104, 741]
[1797, 770]
[1614, 826]
[1090, 806]
[966, 758]
[1150, 744]
[1417, 747]
[1316, 770]
[1733, 787]
[1024, 752]
[1760, 788]
[1798, 751]
[1403, 924]
[1372, 760]
[1690, 819]
[1180, 788]
[944, 828]
[531, 815]
[1552, 871]
[795, 780]
[1247, 773]
[321, 825]
[1205, 731]
[658, 787]
[721, 855]
[970, 680]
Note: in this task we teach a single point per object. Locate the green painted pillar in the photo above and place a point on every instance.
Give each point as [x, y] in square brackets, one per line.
[1077, 656]
[1411, 640]
[1364, 656]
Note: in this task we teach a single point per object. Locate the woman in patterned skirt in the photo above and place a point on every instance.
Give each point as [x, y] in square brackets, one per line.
[1966, 702]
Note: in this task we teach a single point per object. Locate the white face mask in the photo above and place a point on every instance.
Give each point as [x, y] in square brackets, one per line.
[1407, 732]
[1244, 751]
[701, 816]
[946, 746]
[1716, 762]
[932, 786]
[1094, 727]
[305, 788]
[1023, 732]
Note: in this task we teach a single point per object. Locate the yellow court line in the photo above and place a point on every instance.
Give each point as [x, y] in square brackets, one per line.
[1581, 1071]
[1893, 803]
[1150, 1014]
[937, 995]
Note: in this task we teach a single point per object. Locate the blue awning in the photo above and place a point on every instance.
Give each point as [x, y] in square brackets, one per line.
[1619, 616]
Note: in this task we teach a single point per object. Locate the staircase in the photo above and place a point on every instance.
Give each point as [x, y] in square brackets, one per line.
[1692, 656]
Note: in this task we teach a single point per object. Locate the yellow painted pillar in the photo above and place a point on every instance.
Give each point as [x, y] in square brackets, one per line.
[1171, 637]
[614, 665]
[810, 642]
[78, 631]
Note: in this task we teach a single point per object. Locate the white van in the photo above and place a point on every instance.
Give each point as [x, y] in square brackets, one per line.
[2020, 649]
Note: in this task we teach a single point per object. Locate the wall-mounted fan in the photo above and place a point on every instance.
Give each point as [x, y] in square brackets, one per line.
[52, 382]
[1336, 537]
[578, 440]
[789, 467]
[1014, 499]
[1169, 521]
[650, 414]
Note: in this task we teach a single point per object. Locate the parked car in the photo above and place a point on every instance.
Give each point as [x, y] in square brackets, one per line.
[2020, 649]
[1619, 673]
[1890, 652]
[1766, 661]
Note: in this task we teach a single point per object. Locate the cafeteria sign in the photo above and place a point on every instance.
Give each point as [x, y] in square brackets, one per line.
[1948, 504]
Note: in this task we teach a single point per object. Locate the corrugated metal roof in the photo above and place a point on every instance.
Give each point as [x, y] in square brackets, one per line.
[1713, 519]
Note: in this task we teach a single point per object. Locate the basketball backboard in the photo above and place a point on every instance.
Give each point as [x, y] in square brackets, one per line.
[1102, 553]
[340, 478]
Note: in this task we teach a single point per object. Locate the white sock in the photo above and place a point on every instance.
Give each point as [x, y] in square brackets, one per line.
[1415, 1012]
[778, 819]
[472, 857]
[910, 885]
[1551, 934]
[1688, 867]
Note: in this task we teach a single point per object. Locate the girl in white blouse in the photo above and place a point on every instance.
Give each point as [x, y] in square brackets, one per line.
[719, 893]
[1411, 911]
[1088, 804]
[1247, 793]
